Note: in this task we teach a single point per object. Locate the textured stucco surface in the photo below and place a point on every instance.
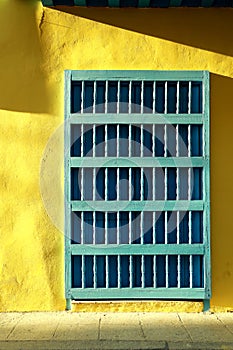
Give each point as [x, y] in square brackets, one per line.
[37, 45]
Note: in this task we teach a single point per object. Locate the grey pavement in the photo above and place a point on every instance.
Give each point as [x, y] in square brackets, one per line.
[120, 330]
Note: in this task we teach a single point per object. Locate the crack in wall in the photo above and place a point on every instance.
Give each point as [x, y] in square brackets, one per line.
[41, 21]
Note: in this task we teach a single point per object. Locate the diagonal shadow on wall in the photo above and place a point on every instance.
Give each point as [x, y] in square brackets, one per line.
[209, 29]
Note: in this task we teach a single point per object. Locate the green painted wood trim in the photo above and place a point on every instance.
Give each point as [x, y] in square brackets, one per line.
[135, 119]
[168, 205]
[80, 3]
[138, 249]
[47, 2]
[111, 162]
[206, 305]
[136, 75]
[67, 219]
[136, 205]
[68, 304]
[206, 183]
[114, 3]
[143, 3]
[175, 3]
[207, 3]
[138, 293]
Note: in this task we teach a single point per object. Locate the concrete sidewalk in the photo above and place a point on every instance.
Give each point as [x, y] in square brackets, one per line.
[67, 330]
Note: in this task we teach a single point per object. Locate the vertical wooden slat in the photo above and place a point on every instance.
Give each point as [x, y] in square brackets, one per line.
[130, 184]
[190, 183]
[130, 271]
[82, 184]
[67, 187]
[143, 271]
[153, 184]
[141, 227]
[118, 96]
[130, 140]
[130, 258]
[177, 97]
[82, 228]
[81, 137]
[154, 96]
[189, 97]
[82, 98]
[141, 185]
[165, 183]
[206, 185]
[118, 184]
[94, 98]
[118, 227]
[165, 140]
[167, 272]
[118, 271]
[94, 227]
[83, 272]
[142, 97]
[141, 143]
[165, 107]
[118, 140]
[178, 272]
[166, 226]
[130, 96]
[191, 271]
[94, 140]
[154, 272]
[106, 97]
[95, 271]
[190, 226]
[106, 228]
[178, 242]
[153, 140]
[107, 270]
[154, 225]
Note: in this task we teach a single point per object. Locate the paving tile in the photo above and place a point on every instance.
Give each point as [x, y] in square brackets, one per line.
[166, 327]
[37, 325]
[121, 326]
[205, 327]
[8, 322]
[88, 331]
[227, 319]
[82, 317]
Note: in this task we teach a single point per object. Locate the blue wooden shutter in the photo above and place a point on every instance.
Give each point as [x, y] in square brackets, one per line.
[137, 220]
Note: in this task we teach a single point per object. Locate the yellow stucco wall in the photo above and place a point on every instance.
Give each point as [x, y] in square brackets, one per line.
[36, 45]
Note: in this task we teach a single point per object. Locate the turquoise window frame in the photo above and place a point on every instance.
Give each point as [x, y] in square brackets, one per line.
[204, 204]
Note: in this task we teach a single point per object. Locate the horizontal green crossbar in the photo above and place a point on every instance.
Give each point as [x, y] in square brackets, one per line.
[133, 162]
[207, 3]
[168, 205]
[175, 3]
[138, 293]
[114, 3]
[143, 3]
[87, 118]
[47, 2]
[137, 249]
[137, 75]
[80, 2]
